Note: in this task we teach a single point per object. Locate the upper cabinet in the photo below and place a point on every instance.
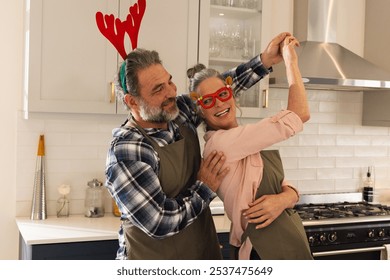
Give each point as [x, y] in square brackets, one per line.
[376, 103]
[70, 65]
[234, 31]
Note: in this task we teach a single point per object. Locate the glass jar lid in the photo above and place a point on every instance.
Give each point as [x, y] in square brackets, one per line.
[95, 183]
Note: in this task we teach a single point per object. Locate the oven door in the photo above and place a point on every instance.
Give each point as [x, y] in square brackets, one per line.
[369, 253]
[351, 241]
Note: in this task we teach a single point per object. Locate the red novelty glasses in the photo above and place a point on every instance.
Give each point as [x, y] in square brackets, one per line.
[223, 94]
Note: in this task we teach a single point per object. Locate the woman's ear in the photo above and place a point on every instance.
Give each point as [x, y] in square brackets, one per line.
[201, 114]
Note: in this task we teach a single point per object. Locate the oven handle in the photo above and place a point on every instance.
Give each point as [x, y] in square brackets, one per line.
[349, 251]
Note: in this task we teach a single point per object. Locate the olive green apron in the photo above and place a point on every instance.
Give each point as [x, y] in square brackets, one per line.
[285, 237]
[179, 165]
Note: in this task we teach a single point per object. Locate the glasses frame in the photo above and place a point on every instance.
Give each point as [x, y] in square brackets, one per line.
[215, 96]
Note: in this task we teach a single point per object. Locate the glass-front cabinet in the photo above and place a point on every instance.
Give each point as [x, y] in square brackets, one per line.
[69, 66]
[234, 31]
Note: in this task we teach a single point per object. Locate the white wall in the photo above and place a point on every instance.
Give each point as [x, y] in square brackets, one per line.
[10, 80]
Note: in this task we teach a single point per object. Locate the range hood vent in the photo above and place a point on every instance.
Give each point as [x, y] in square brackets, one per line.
[324, 63]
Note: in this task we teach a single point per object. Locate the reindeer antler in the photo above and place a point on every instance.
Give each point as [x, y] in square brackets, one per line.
[133, 21]
[114, 29]
[107, 27]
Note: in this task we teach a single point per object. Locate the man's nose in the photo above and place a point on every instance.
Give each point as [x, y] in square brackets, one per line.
[172, 91]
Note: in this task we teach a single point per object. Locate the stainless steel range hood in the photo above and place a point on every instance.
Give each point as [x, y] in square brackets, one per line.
[323, 62]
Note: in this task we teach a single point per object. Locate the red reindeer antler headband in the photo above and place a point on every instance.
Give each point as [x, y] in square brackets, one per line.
[114, 29]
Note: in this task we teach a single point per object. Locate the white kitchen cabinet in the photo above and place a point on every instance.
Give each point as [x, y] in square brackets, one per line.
[376, 108]
[376, 102]
[233, 31]
[69, 64]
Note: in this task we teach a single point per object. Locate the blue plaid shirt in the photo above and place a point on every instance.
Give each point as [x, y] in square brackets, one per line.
[132, 169]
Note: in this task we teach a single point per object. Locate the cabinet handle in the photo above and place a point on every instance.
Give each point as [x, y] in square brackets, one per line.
[112, 97]
[264, 94]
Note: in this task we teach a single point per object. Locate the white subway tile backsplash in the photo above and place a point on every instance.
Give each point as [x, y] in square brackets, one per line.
[293, 141]
[322, 118]
[350, 107]
[331, 154]
[298, 152]
[352, 162]
[380, 140]
[371, 152]
[347, 97]
[335, 129]
[322, 95]
[310, 128]
[336, 151]
[317, 140]
[347, 185]
[351, 119]
[290, 163]
[334, 173]
[353, 140]
[314, 106]
[316, 162]
[371, 130]
[316, 186]
[72, 152]
[328, 107]
[301, 174]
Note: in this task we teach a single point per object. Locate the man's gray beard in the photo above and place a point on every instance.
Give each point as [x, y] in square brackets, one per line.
[156, 115]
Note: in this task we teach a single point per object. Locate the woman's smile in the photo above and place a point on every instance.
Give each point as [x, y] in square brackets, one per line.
[222, 113]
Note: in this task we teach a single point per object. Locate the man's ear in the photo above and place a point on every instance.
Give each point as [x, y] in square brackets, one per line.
[130, 101]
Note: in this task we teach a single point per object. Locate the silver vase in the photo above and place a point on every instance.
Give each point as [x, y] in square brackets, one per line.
[38, 207]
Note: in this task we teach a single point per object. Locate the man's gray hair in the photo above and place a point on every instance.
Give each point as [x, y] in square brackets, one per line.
[136, 60]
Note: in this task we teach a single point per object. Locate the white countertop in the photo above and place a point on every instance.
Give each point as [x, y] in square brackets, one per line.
[77, 228]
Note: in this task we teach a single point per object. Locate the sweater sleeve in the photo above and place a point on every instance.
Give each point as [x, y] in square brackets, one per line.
[241, 141]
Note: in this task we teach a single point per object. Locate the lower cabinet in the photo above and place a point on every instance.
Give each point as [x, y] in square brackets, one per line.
[226, 250]
[88, 250]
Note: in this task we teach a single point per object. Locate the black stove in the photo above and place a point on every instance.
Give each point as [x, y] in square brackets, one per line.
[345, 230]
[311, 211]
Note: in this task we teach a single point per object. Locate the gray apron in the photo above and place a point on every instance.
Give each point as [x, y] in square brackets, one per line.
[285, 237]
[179, 165]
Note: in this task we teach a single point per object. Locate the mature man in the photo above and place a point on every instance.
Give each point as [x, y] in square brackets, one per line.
[154, 169]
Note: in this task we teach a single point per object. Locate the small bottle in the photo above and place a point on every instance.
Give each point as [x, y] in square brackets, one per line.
[368, 187]
[62, 207]
[63, 201]
[94, 204]
[115, 209]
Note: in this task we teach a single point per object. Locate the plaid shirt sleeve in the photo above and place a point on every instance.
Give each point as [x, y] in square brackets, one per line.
[247, 74]
[132, 180]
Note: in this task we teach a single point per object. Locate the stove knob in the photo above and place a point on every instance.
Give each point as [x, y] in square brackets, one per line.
[311, 239]
[381, 233]
[322, 238]
[371, 233]
[332, 237]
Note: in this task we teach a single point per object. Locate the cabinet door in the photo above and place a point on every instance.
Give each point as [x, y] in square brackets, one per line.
[171, 28]
[68, 67]
[233, 31]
